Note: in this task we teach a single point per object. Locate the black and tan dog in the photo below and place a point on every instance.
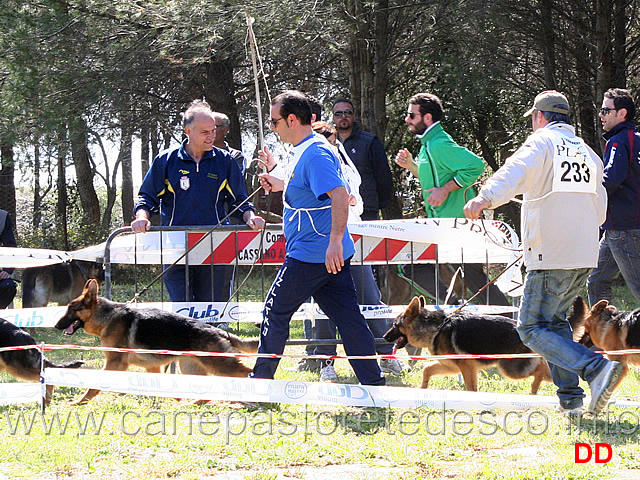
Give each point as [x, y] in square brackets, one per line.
[608, 328]
[121, 326]
[24, 364]
[59, 283]
[466, 334]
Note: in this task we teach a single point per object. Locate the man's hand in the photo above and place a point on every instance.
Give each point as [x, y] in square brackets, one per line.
[141, 223]
[405, 160]
[265, 159]
[334, 258]
[253, 220]
[437, 195]
[474, 207]
[271, 183]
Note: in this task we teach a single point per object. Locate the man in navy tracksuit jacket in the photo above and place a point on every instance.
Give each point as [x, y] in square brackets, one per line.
[620, 243]
[190, 186]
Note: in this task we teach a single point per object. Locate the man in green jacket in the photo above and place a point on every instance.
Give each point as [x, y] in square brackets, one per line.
[445, 170]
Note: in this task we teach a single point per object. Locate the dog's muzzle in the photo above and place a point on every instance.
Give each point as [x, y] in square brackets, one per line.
[395, 335]
[69, 325]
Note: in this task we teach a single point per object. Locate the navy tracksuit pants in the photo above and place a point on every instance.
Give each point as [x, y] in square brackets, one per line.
[335, 294]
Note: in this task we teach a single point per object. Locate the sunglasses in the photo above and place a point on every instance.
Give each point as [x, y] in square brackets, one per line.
[343, 113]
[412, 115]
[605, 110]
[274, 121]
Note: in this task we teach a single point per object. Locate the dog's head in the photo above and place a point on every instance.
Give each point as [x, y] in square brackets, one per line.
[80, 310]
[399, 332]
[585, 321]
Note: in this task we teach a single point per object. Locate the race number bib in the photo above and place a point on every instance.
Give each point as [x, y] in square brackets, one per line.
[573, 168]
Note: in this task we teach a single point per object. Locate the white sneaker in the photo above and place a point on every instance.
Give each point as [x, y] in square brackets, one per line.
[393, 366]
[328, 374]
[570, 412]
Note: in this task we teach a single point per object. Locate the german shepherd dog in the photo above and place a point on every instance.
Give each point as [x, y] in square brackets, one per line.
[608, 328]
[467, 334]
[25, 364]
[59, 283]
[121, 326]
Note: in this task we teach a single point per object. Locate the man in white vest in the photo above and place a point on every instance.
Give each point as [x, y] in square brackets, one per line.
[564, 203]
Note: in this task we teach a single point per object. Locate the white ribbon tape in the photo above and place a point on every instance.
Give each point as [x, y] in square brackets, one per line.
[15, 393]
[283, 391]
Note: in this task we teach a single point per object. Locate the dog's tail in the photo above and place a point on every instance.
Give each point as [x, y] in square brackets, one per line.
[247, 345]
[576, 320]
[28, 288]
[76, 364]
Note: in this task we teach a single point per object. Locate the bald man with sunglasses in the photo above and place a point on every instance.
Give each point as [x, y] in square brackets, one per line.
[367, 154]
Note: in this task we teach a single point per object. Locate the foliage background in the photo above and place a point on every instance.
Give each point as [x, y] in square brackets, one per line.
[80, 76]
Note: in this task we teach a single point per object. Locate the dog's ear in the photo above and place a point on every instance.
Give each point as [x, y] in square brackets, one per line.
[91, 287]
[415, 305]
[423, 302]
[599, 307]
[580, 307]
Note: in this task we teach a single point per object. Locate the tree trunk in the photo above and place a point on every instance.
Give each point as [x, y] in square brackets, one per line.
[7, 179]
[61, 184]
[548, 44]
[603, 47]
[221, 95]
[84, 172]
[37, 199]
[127, 174]
[619, 42]
[145, 138]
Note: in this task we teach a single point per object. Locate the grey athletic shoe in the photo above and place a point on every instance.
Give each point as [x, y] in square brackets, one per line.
[602, 386]
[328, 374]
[393, 366]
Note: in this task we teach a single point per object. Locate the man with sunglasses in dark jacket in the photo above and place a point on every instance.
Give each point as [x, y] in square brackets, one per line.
[367, 154]
[620, 243]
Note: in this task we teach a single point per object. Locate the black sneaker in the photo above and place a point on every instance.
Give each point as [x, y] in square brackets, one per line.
[305, 365]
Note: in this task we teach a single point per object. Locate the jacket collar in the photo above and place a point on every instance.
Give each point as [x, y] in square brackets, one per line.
[430, 132]
[184, 155]
[618, 128]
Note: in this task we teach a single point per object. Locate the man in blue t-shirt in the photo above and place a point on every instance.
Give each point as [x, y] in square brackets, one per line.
[318, 244]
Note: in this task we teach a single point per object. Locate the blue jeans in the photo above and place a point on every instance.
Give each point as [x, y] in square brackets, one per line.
[368, 294]
[544, 328]
[619, 252]
[201, 278]
[336, 295]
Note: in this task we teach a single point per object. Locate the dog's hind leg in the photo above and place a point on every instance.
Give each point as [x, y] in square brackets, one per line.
[542, 372]
[436, 368]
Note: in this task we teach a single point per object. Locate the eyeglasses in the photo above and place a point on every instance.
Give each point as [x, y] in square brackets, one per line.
[412, 115]
[274, 121]
[605, 110]
[343, 113]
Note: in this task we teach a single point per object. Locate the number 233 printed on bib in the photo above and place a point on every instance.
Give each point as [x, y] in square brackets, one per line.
[573, 168]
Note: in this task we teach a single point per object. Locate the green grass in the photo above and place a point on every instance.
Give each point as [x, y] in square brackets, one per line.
[145, 438]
